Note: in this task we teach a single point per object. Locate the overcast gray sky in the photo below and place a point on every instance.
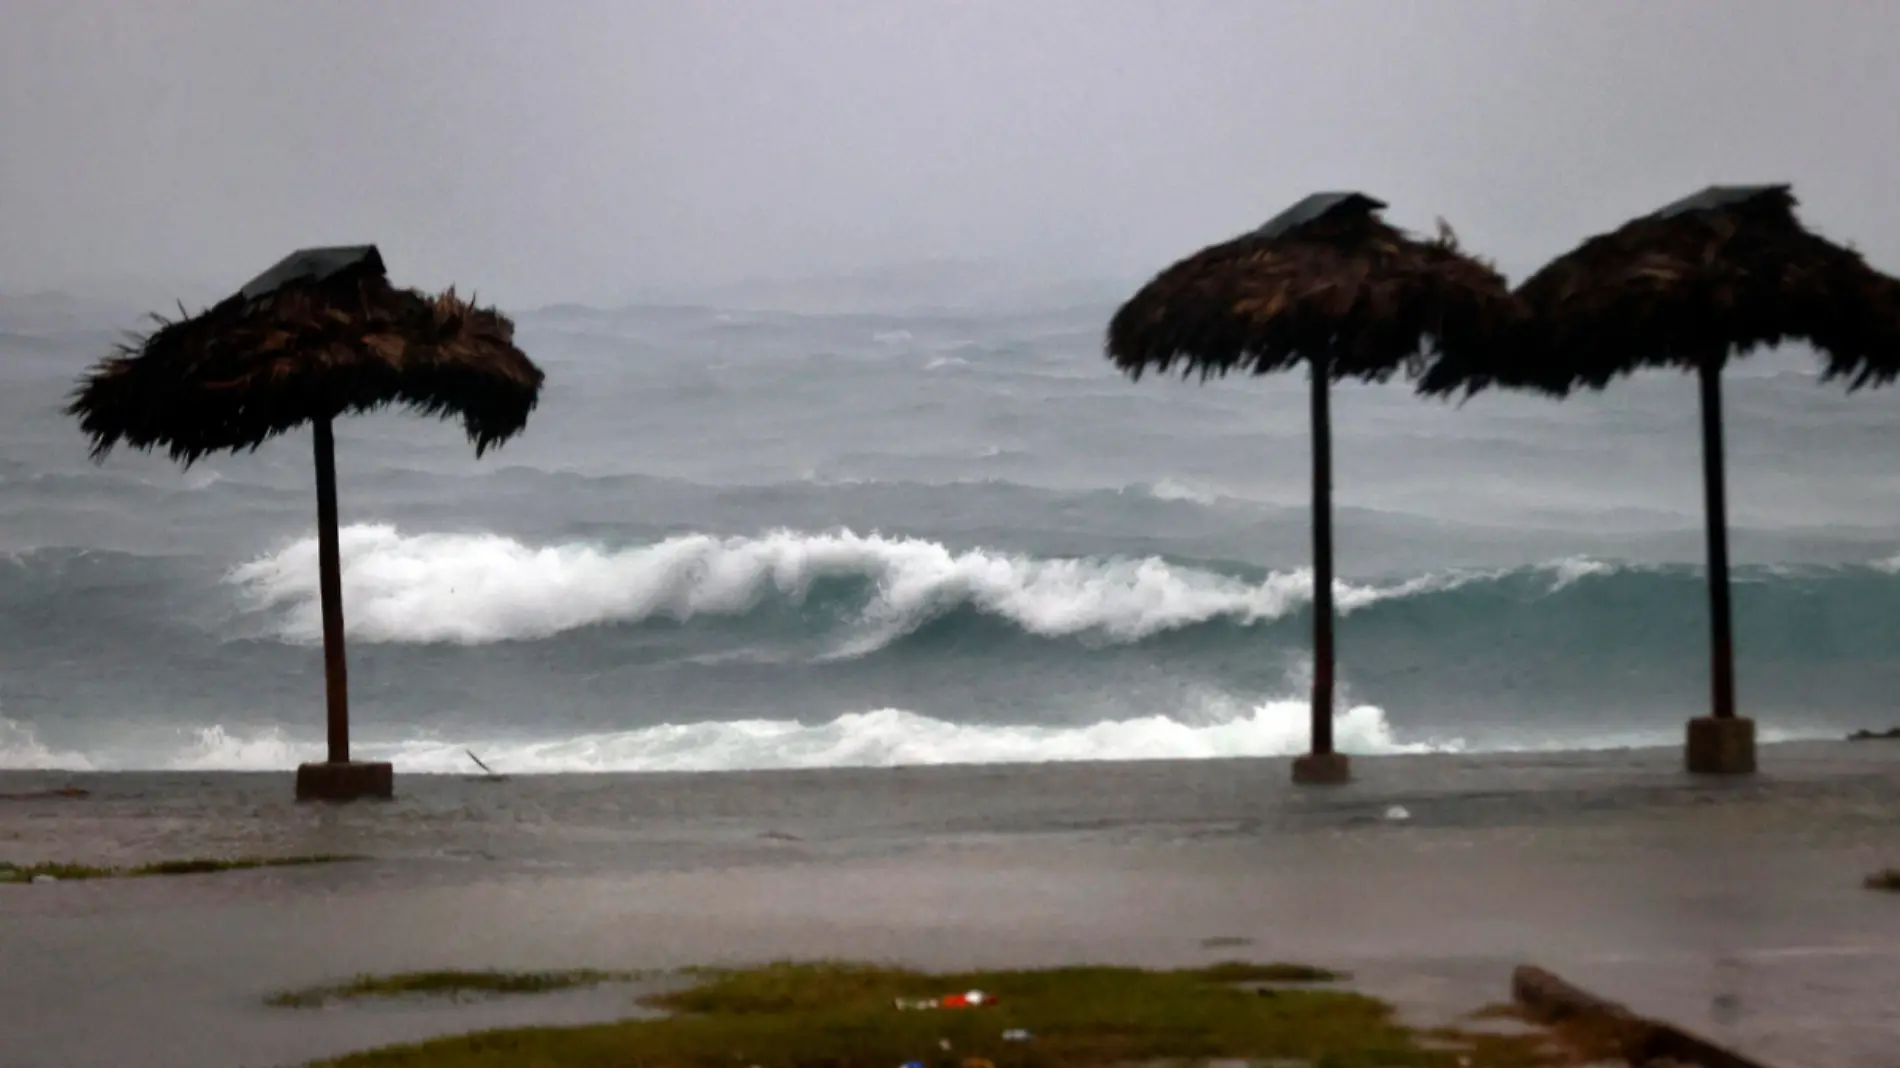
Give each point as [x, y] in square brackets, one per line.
[582, 150]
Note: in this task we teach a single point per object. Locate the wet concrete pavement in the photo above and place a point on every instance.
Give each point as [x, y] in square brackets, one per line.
[1737, 913]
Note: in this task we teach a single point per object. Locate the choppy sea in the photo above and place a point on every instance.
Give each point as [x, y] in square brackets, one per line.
[735, 538]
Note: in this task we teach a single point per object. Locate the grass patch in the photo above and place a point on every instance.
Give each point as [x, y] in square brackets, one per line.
[845, 1016]
[1884, 880]
[445, 984]
[25, 873]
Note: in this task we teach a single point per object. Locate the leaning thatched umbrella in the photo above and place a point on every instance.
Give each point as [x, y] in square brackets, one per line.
[1329, 283]
[319, 335]
[1710, 276]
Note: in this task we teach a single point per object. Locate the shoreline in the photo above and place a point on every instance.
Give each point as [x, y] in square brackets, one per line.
[1769, 743]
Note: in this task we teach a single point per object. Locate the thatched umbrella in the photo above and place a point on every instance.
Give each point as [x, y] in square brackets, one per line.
[319, 335]
[1328, 283]
[1708, 277]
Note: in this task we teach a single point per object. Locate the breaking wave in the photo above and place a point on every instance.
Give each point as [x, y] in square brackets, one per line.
[858, 594]
[481, 588]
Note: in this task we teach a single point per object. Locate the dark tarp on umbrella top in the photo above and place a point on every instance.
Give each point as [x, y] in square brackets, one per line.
[320, 334]
[1706, 278]
[1327, 282]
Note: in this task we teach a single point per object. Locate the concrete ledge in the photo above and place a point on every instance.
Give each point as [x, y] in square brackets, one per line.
[1721, 746]
[1322, 769]
[1548, 1000]
[345, 782]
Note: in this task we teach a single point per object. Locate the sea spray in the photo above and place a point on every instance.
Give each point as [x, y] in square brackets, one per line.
[21, 748]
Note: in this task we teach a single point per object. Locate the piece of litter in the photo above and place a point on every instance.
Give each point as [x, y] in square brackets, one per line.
[1397, 812]
[1015, 1034]
[943, 1044]
[46, 878]
[968, 1000]
[489, 774]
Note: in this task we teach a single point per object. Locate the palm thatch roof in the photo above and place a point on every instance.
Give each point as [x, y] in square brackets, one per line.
[1326, 278]
[1709, 276]
[320, 334]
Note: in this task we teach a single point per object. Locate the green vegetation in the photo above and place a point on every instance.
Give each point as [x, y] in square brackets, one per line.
[847, 1015]
[25, 873]
[449, 984]
[1884, 880]
[13, 873]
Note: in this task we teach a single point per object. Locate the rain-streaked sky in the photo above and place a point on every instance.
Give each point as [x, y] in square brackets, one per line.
[593, 149]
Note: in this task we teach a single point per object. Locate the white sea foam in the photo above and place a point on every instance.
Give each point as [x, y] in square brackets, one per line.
[890, 737]
[481, 588]
[1568, 571]
[882, 738]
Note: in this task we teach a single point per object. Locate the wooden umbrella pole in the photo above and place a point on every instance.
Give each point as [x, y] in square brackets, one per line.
[330, 590]
[1322, 558]
[1721, 638]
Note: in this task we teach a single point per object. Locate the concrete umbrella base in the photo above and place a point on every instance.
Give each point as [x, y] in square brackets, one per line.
[1322, 769]
[345, 781]
[1721, 746]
